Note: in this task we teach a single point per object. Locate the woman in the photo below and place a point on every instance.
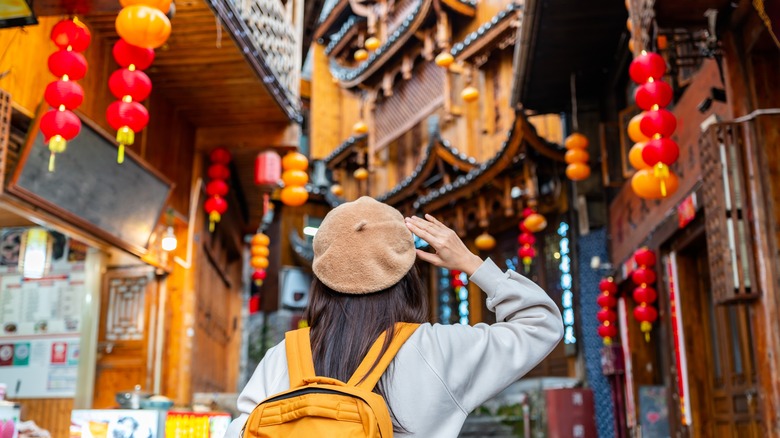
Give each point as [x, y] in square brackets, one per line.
[365, 282]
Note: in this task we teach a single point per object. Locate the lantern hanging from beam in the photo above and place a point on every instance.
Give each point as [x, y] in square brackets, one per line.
[607, 316]
[644, 277]
[217, 188]
[60, 124]
[294, 166]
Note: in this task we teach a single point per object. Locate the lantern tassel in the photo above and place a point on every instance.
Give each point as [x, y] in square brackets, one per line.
[57, 144]
[527, 262]
[607, 341]
[51, 162]
[120, 156]
[661, 171]
[258, 283]
[646, 327]
[214, 217]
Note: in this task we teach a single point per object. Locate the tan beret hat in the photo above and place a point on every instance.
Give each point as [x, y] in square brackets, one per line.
[362, 246]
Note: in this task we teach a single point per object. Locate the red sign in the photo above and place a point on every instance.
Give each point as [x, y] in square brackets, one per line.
[6, 355]
[59, 353]
[686, 211]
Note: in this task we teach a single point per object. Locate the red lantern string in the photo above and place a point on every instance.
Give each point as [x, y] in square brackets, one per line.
[658, 124]
[60, 124]
[217, 188]
[644, 277]
[525, 241]
[131, 86]
[607, 316]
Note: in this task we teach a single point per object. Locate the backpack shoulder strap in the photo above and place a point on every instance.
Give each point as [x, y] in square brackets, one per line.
[299, 360]
[402, 332]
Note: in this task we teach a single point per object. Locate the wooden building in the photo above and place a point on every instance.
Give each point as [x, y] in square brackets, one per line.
[711, 360]
[171, 322]
[391, 118]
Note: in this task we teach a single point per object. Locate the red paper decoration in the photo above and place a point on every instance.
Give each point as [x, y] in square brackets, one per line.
[133, 83]
[644, 276]
[132, 57]
[217, 188]
[60, 124]
[607, 315]
[654, 126]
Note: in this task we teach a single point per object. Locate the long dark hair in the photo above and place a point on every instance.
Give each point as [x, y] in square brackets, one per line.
[344, 326]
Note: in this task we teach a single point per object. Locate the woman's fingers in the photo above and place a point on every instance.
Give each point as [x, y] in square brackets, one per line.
[421, 232]
[429, 257]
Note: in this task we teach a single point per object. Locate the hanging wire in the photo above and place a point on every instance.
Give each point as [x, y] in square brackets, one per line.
[573, 84]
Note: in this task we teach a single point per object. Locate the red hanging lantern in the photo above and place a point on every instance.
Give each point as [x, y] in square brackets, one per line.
[67, 94]
[258, 276]
[71, 35]
[647, 66]
[126, 84]
[217, 187]
[218, 171]
[71, 64]
[132, 57]
[526, 239]
[644, 276]
[215, 206]
[660, 150]
[658, 122]
[58, 128]
[128, 118]
[268, 168]
[607, 315]
[220, 156]
[653, 94]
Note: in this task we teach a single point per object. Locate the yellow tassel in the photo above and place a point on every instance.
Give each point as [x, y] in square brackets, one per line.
[607, 341]
[51, 162]
[661, 171]
[125, 136]
[646, 327]
[214, 217]
[120, 157]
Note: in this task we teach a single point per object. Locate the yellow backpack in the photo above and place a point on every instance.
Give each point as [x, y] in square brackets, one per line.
[324, 407]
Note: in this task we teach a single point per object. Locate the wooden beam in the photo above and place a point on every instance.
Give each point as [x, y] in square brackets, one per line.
[275, 135]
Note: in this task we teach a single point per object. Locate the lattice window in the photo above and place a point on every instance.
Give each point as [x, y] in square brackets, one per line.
[126, 309]
[411, 102]
[273, 34]
[727, 207]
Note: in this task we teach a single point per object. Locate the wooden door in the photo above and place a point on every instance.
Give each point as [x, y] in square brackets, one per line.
[124, 340]
[721, 358]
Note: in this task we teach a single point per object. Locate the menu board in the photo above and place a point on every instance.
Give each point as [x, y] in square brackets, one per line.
[50, 305]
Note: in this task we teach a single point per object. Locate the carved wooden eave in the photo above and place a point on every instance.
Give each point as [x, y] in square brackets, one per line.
[301, 248]
[438, 154]
[465, 185]
[331, 15]
[341, 38]
[352, 76]
[462, 7]
[344, 150]
[500, 32]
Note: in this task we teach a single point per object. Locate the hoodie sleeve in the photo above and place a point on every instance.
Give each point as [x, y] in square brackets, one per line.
[263, 383]
[476, 363]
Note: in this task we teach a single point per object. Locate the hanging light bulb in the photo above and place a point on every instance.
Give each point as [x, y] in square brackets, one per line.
[169, 241]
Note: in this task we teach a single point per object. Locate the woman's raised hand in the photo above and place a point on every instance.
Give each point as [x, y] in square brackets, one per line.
[451, 252]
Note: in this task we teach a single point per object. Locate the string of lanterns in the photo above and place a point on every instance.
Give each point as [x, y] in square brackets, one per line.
[142, 26]
[60, 124]
[577, 157]
[654, 151]
[294, 176]
[462, 295]
[259, 257]
[644, 294]
[607, 316]
[532, 222]
[217, 188]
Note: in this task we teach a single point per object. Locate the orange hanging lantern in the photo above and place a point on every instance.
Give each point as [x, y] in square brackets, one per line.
[635, 157]
[143, 26]
[360, 128]
[258, 262]
[648, 186]
[372, 43]
[444, 59]
[295, 161]
[295, 178]
[337, 189]
[469, 94]
[360, 174]
[576, 156]
[535, 222]
[260, 239]
[294, 196]
[259, 253]
[485, 242]
[163, 5]
[634, 131]
[577, 171]
[576, 141]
